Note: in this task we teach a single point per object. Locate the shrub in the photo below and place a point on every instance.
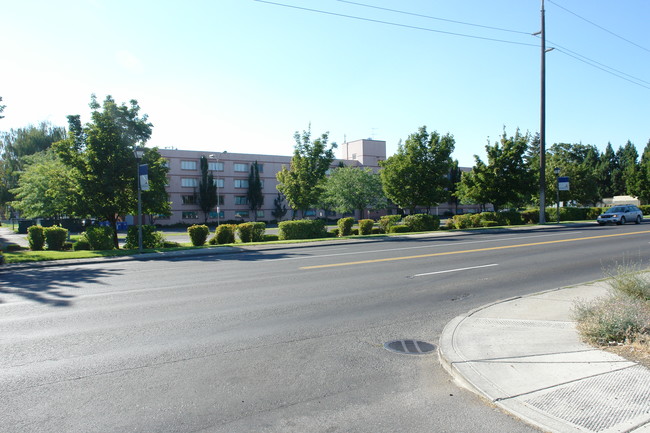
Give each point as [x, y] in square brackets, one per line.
[485, 223]
[508, 218]
[355, 232]
[258, 231]
[376, 230]
[345, 226]
[100, 238]
[171, 244]
[530, 216]
[81, 244]
[224, 234]
[55, 237]
[399, 228]
[461, 221]
[198, 234]
[334, 233]
[629, 279]
[270, 238]
[36, 238]
[422, 222]
[387, 221]
[644, 208]
[301, 229]
[150, 237]
[366, 226]
[245, 232]
[612, 318]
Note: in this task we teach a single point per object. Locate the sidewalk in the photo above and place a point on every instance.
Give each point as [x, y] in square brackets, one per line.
[525, 356]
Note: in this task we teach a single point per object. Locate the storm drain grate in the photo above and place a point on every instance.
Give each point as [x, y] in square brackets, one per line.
[410, 347]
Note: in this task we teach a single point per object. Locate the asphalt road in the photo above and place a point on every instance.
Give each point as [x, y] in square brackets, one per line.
[280, 340]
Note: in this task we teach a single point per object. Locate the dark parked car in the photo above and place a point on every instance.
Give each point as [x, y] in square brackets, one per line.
[620, 215]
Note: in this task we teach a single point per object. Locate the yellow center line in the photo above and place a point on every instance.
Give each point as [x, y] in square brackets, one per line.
[420, 256]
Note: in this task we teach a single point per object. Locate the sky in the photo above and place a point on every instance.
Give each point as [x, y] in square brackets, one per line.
[244, 75]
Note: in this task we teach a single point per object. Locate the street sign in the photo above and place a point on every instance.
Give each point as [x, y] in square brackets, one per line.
[563, 183]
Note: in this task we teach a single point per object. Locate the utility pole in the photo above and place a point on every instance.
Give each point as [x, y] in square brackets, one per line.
[542, 127]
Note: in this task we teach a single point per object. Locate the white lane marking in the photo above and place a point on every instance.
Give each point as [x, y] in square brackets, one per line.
[456, 270]
[412, 248]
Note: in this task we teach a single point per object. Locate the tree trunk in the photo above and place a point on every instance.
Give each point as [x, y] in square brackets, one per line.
[112, 219]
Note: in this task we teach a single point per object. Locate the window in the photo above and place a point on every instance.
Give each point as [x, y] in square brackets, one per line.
[218, 182]
[189, 182]
[260, 214]
[260, 168]
[188, 199]
[220, 200]
[188, 165]
[215, 166]
[262, 183]
[213, 214]
[310, 213]
[241, 199]
[241, 213]
[190, 215]
[241, 167]
[241, 183]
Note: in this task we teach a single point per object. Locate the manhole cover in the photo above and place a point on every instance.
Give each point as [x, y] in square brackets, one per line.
[410, 347]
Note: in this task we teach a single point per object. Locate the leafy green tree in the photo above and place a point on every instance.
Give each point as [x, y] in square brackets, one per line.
[643, 179]
[505, 179]
[605, 172]
[101, 152]
[19, 143]
[354, 188]
[417, 175]
[279, 208]
[46, 187]
[628, 160]
[302, 183]
[455, 175]
[579, 162]
[254, 193]
[469, 190]
[2, 108]
[207, 196]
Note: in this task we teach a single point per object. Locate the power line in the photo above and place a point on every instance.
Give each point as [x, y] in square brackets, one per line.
[600, 27]
[433, 18]
[396, 24]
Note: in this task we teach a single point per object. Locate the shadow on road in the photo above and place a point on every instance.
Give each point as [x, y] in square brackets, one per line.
[48, 286]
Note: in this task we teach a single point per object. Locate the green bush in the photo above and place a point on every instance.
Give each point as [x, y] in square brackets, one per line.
[150, 238]
[301, 229]
[270, 238]
[36, 238]
[461, 222]
[644, 208]
[387, 221]
[100, 238]
[629, 279]
[81, 244]
[507, 218]
[485, 223]
[258, 231]
[399, 228]
[422, 222]
[198, 234]
[530, 216]
[334, 233]
[613, 318]
[245, 232]
[55, 237]
[225, 234]
[366, 226]
[345, 226]
[376, 231]
[355, 232]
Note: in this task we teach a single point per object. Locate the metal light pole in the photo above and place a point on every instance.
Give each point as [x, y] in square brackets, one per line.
[556, 170]
[212, 156]
[138, 152]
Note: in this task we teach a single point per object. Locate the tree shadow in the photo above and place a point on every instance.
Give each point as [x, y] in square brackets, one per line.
[48, 285]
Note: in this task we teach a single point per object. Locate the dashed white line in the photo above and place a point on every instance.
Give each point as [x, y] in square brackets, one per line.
[456, 270]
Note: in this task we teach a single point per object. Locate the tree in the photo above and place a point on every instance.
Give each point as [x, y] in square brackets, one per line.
[101, 152]
[302, 182]
[46, 187]
[643, 181]
[15, 145]
[279, 208]
[579, 163]
[605, 172]
[417, 175]
[207, 196]
[628, 160]
[254, 193]
[455, 175]
[354, 188]
[2, 108]
[505, 179]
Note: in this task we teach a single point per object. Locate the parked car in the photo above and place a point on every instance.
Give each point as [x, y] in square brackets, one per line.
[620, 215]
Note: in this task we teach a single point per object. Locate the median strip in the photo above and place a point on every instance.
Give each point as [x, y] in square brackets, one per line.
[448, 253]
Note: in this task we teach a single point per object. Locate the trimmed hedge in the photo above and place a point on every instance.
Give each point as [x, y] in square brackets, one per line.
[365, 226]
[225, 234]
[399, 228]
[36, 238]
[100, 238]
[198, 234]
[422, 222]
[150, 237]
[301, 229]
[387, 221]
[81, 244]
[258, 231]
[345, 226]
[245, 232]
[55, 237]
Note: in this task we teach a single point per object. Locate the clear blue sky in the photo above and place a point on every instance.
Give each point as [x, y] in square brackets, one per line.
[243, 76]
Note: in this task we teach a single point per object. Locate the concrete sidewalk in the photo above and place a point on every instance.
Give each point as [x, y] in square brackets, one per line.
[525, 356]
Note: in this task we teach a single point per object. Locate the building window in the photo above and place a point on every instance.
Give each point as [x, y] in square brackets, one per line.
[260, 214]
[241, 183]
[213, 214]
[215, 166]
[190, 215]
[241, 199]
[188, 165]
[218, 182]
[189, 182]
[310, 212]
[188, 199]
[241, 167]
[220, 200]
[260, 168]
[241, 213]
[262, 183]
